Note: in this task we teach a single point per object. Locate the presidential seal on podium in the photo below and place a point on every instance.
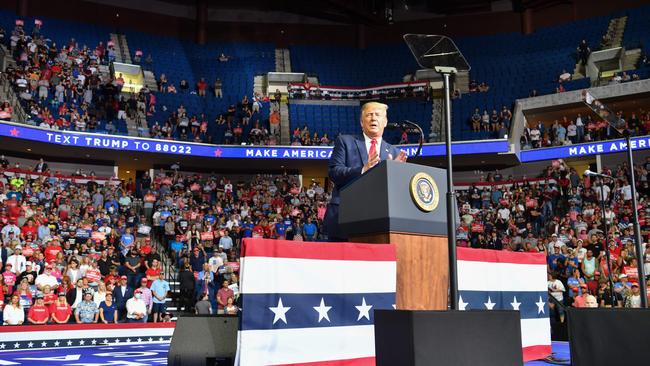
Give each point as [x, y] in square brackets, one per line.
[424, 192]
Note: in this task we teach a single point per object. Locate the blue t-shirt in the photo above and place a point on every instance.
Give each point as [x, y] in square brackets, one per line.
[573, 282]
[127, 239]
[247, 229]
[159, 288]
[553, 257]
[109, 311]
[176, 245]
[163, 216]
[309, 229]
[211, 219]
[280, 228]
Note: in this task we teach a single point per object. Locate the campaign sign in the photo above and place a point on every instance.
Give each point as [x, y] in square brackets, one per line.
[133, 354]
[586, 149]
[139, 144]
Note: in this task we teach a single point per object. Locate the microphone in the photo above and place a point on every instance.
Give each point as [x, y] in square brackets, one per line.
[594, 174]
[406, 123]
[393, 125]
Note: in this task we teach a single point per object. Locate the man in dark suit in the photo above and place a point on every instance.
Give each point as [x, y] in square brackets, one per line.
[4, 254]
[355, 155]
[121, 293]
[41, 166]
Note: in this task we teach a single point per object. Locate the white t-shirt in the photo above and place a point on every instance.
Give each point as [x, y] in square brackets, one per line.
[215, 263]
[557, 289]
[606, 191]
[45, 279]
[133, 306]
[626, 190]
[571, 130]
[504, 213]
[13, 316]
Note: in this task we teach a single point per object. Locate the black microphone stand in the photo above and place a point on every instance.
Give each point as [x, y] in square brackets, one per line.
[417, 126]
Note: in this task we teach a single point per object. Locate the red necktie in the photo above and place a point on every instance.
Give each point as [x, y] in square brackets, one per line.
[373, 148]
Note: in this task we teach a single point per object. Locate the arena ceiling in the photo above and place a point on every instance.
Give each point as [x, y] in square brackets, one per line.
[366, 12]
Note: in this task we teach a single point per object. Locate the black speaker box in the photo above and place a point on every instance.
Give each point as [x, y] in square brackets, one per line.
[609, 336]
[447, 338]
[204, 340]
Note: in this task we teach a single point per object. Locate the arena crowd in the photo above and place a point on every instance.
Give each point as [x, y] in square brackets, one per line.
[85, 249]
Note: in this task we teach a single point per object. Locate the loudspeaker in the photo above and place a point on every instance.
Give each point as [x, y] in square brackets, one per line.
[456, 338]
[609, 336]
[203, 340]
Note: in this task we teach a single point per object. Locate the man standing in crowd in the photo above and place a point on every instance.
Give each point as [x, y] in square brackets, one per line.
[121, 294]
[87, 311]
[223, 294]
[159, 289]
[136, 309]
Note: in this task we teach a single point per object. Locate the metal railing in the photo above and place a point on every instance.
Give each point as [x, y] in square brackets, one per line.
[19, 114]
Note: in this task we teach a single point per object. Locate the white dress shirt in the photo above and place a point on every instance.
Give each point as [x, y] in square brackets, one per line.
[368, 141]
[12, 315]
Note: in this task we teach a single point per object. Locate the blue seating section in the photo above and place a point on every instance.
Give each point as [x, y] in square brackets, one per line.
[414, 110]
[335, 119]
[511, 64]
[637, 28]
[185, 60]
[62, 32]
[59, 31]
[329, 119]
[353, 67]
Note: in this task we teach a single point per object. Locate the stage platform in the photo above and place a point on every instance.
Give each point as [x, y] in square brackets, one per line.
[148, 353]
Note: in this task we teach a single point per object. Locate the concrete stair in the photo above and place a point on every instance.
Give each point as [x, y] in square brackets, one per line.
[282, 60]
[615, 32]
[150, 80]
[8, 93]
[259, 85]
[285, 129]
[578, 72]
[461, 82]
[436, 122]
[122, 53]
[138, 126]
[614, 38]
[124, 48]
[116, 41]
[631, 59]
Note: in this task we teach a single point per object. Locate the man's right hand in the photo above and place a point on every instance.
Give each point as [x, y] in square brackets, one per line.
[372, 161]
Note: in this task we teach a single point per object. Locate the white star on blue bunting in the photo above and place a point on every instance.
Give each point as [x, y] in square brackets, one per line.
[280, 312]
[322, 310]
[364, 309]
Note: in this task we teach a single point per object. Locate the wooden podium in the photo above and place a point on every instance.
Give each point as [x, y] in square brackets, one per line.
[404, 204]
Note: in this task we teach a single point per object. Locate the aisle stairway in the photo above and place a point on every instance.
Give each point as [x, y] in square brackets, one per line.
[631, 59]
[150, 80]
[285, 129]
[7, 93]
[122, 53]
[437, 129]
[612, 38]
[282, 60]
[615, 31]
